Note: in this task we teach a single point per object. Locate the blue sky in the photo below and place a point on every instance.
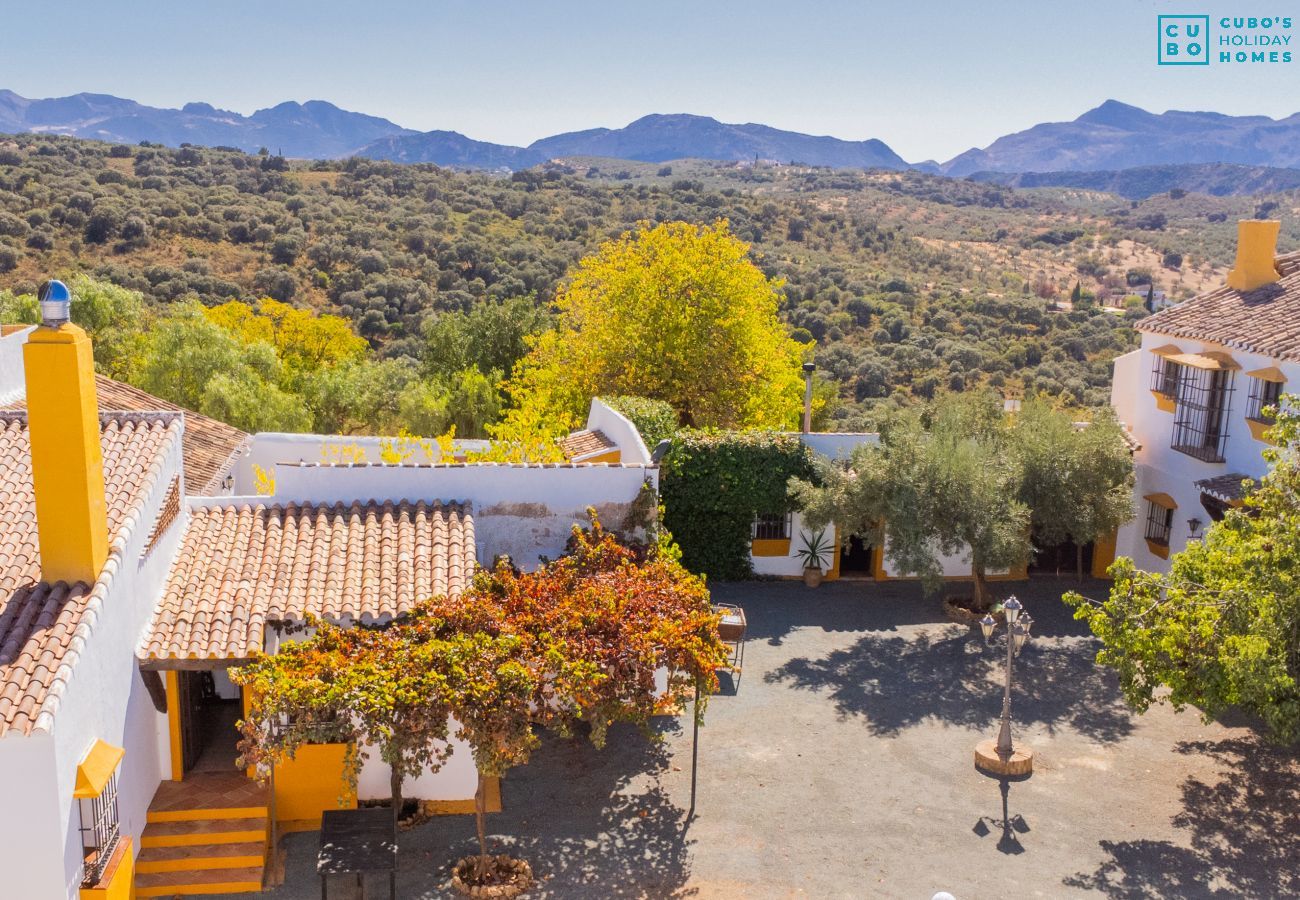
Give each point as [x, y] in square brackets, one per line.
[928, 78]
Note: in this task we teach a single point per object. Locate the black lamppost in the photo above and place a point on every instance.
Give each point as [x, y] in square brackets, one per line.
[1003, 757]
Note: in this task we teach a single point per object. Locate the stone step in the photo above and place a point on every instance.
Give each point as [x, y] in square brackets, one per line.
[193, 857]
[207, 881]
[191, 832]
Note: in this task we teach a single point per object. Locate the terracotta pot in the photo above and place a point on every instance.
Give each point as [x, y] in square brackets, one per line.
[812, 577]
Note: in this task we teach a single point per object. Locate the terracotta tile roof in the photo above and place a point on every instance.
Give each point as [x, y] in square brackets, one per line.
[1264, 321]
[241, 566]
[42, 626]
[582, 444]
[209, 445]
[1228, 488]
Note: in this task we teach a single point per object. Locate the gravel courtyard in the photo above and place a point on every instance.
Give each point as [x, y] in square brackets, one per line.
[840, 766]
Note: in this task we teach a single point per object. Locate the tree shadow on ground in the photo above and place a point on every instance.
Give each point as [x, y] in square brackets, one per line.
[1241, 830]
[948, 674]
[591, 822]
[776, 608]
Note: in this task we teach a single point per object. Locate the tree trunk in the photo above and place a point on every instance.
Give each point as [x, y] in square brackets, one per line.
[981, 589]
[395, 782]
[1078, 561]
[480, 821]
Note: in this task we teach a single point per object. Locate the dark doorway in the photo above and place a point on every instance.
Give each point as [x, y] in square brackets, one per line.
[856, 558]
[208, 735]
[1059, 559]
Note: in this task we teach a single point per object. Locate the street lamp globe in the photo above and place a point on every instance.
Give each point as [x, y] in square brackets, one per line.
[987, 624]
[1012, 608]
[1019, 635]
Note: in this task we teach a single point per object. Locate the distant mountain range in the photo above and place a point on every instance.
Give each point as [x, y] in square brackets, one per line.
[1118, 136]
[1095, 150]
[1140, 182]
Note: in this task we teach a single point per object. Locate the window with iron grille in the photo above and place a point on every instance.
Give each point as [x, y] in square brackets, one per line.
[99, 832]
[1160, 523]
[772, 527]
[1262, 394]
[1201, 424]
[1165, 375]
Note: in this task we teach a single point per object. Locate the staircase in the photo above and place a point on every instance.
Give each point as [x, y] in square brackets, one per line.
[207, 834]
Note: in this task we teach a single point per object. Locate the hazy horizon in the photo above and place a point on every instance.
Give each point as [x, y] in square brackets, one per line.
[929, 82]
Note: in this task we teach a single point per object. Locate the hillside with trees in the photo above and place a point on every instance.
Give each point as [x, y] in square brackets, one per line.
[909, 284]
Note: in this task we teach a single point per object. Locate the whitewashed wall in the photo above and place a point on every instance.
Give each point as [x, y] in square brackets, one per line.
[954, 565]
[790, 565]
[527, 511]
[13, 383]
[837, 445]
[31, 836]
[271, 449]
[619, 429]
[1161, 469]
[104, 699]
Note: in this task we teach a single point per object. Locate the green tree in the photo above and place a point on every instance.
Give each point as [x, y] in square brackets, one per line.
[1076, 477]
[942, 481]
[491, 337]
[675, 312]
[1222, 629]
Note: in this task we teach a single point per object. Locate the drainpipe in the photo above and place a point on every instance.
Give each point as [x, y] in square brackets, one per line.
[808, 369]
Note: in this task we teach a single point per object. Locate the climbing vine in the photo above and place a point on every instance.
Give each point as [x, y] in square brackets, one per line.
[713, 485]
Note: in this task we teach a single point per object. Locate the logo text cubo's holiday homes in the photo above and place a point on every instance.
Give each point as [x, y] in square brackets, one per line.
[1195, 40]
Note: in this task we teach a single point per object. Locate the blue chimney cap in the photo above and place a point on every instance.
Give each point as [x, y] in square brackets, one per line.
[56, 303]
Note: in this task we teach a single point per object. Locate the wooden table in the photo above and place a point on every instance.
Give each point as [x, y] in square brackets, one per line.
[355, 842]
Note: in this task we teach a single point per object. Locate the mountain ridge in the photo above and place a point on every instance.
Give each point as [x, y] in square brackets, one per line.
[1111, 137]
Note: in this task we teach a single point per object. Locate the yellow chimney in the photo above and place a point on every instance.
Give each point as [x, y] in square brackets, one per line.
[67, 460]
[1256, 248]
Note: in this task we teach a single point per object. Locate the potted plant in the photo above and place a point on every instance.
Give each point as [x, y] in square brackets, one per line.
[816, 555]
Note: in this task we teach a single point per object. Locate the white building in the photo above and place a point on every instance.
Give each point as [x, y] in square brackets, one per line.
[137, 564]
[1192, 395]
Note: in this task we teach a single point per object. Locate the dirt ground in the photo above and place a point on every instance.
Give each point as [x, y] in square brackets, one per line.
[840, 765]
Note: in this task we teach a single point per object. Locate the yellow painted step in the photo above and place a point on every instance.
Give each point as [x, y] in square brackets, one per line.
[193, 832]
[189, 815]
[249, 854]
[210, 881]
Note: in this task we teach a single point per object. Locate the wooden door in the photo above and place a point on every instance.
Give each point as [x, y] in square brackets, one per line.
[191, 727]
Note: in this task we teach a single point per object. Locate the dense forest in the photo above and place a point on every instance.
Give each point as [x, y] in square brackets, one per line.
[909, 284]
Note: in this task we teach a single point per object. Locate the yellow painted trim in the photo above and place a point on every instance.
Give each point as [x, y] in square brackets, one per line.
[1161, 500]
[1213, 360]
[192, 815]
[174, 724]
[878, 563]
[1164, 402]
[67, 457]
[118, 880]
[97, 766]
[1160, 550]
[1271, 373]
[834, 572]
[195, 863]
[771, 547]
[1167, 350]
[312, 782]
[220, 887]
[200, 838]
[246, 698]
[461, 807]
[609, 456]
[1103, 554]
[1259, 430]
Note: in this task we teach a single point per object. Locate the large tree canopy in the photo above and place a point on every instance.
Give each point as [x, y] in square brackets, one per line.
[675, 312]
[1222, 629]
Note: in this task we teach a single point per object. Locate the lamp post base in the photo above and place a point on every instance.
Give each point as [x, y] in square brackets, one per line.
[987, 759]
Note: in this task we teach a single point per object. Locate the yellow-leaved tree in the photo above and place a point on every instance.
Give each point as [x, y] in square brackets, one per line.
[303, 340]
[674, 312]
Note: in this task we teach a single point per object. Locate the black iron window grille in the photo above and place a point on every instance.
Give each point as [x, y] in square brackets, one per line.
[1160, 523]
[1263, 394]
[772, 527]
[1201, 423]
[99, 832]
[1165, 375]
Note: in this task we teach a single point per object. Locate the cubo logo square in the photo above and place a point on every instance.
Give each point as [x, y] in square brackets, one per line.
[1183, 40]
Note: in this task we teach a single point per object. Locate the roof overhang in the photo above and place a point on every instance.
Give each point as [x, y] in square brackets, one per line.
[1210, 359]
[1272, 373]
